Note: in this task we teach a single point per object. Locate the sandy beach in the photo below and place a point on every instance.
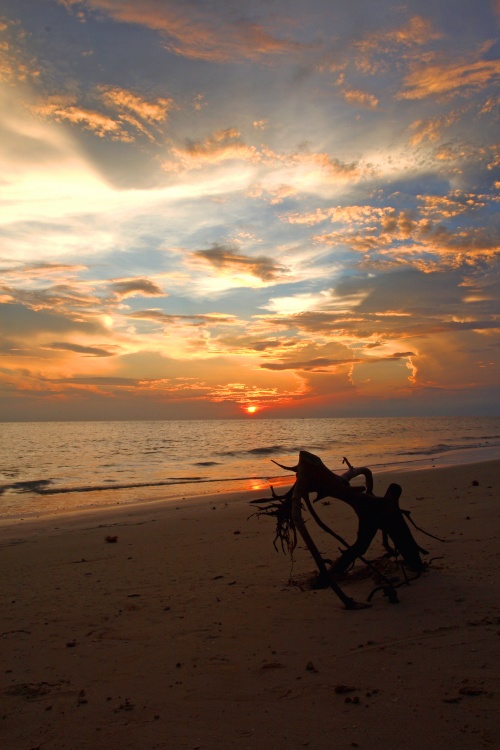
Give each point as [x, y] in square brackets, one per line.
[185, 632]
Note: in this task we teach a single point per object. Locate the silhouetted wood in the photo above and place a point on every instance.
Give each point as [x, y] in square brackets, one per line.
[374, 513]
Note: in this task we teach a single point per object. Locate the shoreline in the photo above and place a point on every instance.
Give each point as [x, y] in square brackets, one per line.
[190, 630]
[105, 499]
[282, 483]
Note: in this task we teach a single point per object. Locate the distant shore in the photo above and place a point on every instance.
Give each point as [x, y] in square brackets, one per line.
[176, 625]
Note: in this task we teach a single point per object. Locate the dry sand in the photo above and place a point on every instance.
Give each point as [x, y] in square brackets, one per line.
[185, 632]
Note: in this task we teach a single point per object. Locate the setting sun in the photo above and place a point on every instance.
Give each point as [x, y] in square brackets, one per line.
[251, 409]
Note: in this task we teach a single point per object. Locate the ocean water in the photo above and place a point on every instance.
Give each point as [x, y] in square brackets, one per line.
[63, 466]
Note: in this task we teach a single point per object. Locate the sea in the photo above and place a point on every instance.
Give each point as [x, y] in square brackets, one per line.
[54, 467]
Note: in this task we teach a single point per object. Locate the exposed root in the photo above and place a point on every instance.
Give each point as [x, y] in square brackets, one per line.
[279, 507]
[373, 512]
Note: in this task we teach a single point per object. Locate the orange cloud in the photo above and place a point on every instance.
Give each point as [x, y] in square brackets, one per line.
[431, 129]
[312, 160]
[274, 195]
[41, 269]
[404, 236]
[133, 113]
[241, 393]
[221, 146]
[193, 31]
[16, 66]
[449, 79]
[227, 145]
[61, 109]
[360, 98]
[308, 219]
[448, 206]
[151, 111]
[417, 32]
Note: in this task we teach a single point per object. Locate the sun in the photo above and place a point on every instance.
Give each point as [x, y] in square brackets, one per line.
[251, 409]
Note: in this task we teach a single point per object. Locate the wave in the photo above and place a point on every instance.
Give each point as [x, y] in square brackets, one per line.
[445, 448]
[271, 450]
[28, 485]
[44, 486]
[40, 487]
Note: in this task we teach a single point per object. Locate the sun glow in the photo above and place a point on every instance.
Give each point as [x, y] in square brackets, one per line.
[251, 409]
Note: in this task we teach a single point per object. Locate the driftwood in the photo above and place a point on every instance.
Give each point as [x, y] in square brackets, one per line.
[374, 513]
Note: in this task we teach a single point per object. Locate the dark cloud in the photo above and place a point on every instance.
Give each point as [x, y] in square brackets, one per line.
[227, 257]
[161, 317]
[135, 287]
[317, 365]
[321, 364]
[95, 380]
[52, 297]
[26, 322]
[40, 268]
[91, 351]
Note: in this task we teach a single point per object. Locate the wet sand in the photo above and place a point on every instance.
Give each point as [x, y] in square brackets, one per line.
[185, 631]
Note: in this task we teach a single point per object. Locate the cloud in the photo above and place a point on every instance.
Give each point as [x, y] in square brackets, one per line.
[360, 98]
[17, 66]
[68, 297]
[26, 323]
[152, 111]
[417, 31]
[314, 160]
[117, 114]
[226, 258]
[91, 351]
[320, 364]
[101, 381]
[64, 109]
[220, 146]
[432, 128]
[158, 316]
[40, 269]
[135, 287]
[303, 167]
[316, 216]
[192, 30]
[323, 364]
[371, 50]
[384, 234]
[454, 204]
[243, 393]
[251, 343]
[274, 194]
[389, 309]
[449, 78]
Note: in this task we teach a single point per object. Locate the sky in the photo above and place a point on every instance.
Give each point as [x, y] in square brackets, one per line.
[262, 208]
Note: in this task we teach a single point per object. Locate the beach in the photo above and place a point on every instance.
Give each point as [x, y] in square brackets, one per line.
[178, 625]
